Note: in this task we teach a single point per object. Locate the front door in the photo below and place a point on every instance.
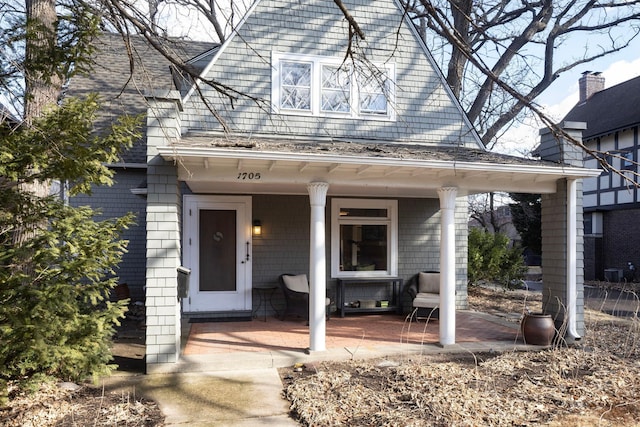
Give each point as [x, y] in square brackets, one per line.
[217, 249]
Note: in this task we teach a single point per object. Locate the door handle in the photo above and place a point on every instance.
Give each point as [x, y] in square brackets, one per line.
[247, 257]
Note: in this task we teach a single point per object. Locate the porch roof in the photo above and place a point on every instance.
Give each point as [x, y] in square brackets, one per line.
[373, 168]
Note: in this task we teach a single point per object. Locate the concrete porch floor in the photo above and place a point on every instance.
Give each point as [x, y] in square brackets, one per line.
[255, 344]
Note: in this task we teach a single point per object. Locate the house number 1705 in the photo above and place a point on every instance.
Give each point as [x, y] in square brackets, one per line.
[248, 175]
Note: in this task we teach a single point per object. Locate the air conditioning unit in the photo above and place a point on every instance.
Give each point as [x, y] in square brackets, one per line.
[613, 274]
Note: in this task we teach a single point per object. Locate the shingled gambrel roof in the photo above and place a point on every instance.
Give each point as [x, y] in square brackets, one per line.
[122, 84]
[609, 110]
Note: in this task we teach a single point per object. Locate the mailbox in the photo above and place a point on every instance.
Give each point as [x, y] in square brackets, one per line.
[183, 281]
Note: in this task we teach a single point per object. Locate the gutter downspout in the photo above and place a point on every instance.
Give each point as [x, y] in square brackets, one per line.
[571, 271]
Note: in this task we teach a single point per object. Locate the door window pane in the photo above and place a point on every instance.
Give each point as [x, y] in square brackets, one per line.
[218, 250]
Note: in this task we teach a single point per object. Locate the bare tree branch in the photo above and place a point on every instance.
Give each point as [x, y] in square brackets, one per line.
[518, 42]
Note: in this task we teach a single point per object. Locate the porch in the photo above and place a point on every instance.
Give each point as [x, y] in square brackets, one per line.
[407, 202]
[278, 343]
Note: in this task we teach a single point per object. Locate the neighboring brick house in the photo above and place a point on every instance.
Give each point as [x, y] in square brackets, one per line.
[611, 203]
[354, 169]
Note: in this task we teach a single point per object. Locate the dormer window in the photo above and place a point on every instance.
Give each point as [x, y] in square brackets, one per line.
[295, 85]
[336, 89]
[325, 86]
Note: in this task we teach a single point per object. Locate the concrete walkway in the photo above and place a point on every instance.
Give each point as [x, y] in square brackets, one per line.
[222, 398]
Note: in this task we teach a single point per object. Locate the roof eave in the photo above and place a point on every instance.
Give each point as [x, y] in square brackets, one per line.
[173, 153]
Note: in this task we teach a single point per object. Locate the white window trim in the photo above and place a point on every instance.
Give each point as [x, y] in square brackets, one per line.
[316, 83]
[392, 236]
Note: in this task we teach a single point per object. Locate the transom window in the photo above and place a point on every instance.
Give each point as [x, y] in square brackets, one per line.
[364, 237]
[324, 86]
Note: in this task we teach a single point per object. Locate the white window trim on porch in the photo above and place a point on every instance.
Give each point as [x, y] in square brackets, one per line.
[391, 220]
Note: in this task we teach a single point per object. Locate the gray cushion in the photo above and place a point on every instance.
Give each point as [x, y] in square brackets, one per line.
[428, 300]
[298, 283]
[429, 283]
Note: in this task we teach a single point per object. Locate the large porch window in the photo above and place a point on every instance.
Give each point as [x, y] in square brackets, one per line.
[364, 237]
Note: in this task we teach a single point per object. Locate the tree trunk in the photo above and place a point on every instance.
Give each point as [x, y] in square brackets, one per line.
[460, 10]
[43, 85]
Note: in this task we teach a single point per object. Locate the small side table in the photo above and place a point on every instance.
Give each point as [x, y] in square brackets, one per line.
[264, 292]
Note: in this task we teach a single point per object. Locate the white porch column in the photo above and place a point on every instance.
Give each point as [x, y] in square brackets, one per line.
[572, 330]
[447, 265]
[317, 267]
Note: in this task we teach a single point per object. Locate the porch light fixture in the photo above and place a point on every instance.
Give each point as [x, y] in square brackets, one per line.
[257, 228]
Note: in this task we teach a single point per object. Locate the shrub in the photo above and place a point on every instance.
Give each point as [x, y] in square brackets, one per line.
[491, 259]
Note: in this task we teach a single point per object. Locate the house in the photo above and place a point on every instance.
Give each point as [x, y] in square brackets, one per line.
[356, 167]
[611, 200]
[7, 118]
[120, 84]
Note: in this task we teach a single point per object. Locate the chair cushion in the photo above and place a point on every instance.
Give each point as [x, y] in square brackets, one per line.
[298, 283]
[429, 300]
[429, 283]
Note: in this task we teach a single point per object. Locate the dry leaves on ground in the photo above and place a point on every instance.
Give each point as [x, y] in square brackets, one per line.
[85, 406]
[595, 383]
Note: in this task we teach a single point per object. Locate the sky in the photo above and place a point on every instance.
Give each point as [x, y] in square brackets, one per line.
[562, 95]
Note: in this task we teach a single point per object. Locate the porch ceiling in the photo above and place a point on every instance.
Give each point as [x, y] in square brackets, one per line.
[353, 169]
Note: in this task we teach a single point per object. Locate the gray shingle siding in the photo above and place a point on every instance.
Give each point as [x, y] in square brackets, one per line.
[116, 201]
[425, 113]
[284, 245]
[164, 203]
[554, 255]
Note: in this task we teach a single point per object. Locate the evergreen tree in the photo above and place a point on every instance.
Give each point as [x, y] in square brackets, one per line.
[526, 214]
[491, 259]
[57, 262]
[55, 315]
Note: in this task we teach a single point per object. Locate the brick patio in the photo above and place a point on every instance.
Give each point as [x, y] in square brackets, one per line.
[352, 331]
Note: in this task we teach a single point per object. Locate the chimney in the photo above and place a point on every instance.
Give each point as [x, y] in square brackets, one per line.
[590, 83]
